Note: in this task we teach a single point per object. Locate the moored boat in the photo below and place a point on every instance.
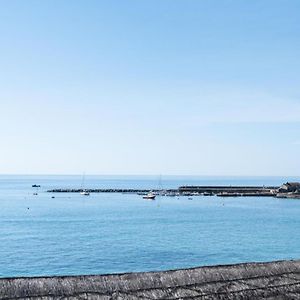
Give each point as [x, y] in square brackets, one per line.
[149, 196]
[85, 193]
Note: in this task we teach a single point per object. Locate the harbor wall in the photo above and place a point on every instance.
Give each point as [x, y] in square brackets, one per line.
[181, 190]
[222, 191]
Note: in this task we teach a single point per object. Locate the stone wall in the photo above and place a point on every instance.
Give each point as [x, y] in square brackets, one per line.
[275, 280]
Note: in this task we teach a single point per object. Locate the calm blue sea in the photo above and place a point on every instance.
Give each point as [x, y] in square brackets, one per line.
[109, 233]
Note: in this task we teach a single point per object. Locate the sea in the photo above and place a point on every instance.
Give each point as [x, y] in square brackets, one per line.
[106, 233]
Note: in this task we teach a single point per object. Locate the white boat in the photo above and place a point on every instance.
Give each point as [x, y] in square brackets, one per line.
[149, 196]
[85, 193]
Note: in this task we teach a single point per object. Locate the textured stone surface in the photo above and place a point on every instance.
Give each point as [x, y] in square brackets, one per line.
[275, 280]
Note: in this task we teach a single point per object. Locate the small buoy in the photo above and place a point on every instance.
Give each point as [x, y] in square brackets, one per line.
[27, 207]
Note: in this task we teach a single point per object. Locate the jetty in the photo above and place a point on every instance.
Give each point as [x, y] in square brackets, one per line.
[290, 190]
[228, 191]
[185, 191]
[109, 190]
[271, 280]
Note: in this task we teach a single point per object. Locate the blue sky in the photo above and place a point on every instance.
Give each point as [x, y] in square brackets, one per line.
[150, 87]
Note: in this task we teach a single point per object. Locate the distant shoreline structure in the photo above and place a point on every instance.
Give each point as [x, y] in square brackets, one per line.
[287, 190]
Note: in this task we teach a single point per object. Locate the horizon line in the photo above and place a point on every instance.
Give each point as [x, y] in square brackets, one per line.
[145, 175]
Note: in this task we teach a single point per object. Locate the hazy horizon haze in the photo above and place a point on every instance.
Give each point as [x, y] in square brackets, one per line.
[150, 87]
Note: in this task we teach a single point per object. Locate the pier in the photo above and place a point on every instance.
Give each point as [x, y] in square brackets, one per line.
[289, 190]
[228, 191]
[124, 191]
[225, 191]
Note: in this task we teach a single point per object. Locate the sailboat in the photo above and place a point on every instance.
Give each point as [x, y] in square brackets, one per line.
[151, 195]
[83, 191]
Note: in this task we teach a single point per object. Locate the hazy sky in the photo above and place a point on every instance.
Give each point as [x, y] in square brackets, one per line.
[150, 87]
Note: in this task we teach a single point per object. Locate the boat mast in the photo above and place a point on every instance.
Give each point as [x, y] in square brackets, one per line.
[83, 180]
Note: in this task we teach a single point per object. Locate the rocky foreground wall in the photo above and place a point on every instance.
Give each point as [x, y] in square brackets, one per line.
[275, 280]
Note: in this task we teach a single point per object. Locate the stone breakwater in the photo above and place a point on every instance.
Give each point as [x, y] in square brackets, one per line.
[187, 191]
[220, 191]
[133, 191]
[273, 280]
